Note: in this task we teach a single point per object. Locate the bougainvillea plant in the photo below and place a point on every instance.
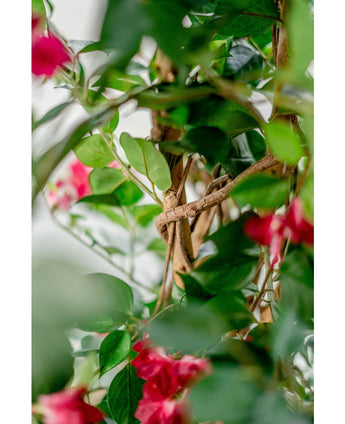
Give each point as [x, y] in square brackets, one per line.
[208, 314]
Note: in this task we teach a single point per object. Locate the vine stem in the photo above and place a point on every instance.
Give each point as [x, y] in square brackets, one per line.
[99, 253]
[262, 291]
[127, 172]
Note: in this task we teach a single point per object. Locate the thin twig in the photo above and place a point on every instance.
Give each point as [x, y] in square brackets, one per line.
[261, 292]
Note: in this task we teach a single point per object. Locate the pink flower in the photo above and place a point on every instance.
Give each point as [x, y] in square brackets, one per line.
[166, 379]
[274, 229]
[68, 407]
[163, 412]
[72, 188]
[48, 52]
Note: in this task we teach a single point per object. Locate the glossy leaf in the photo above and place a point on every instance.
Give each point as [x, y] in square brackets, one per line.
[94, 151]
[105, 180]
[261, 191]
[243, 63]
[246, 17]
[124, 393]
[114, 349]
[283, 142]
[147, 160]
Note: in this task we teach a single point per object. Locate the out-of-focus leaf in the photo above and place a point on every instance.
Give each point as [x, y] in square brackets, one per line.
[188, 329]
[227, 395]
[147, 160]
[307, 197]
[247, 17]
[114, 349]
[119, 81]
[124, 393]
[111, 126]
[94, 151]
[261, 191]
[51, 114]
[105, 180]
[38, 8]
[194, 290]
[283, 142]
[101, 199]
[158, 246]
[144, 214]
[112, 215]
[128, 193]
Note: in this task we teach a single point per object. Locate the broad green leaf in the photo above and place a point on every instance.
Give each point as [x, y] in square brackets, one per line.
[124, 393]
[244, 64]
[144, 214]
[101, 323]
[51, 114]
[244, 150]
[300, 26]
[283, 142]
[158, 246]
[147, 160]
[209, 141]
[297, 282]
[226, 115]
[114, 349]
[101, 199]
[105, 180]
[128, 193]
[124, 24]
[227, 395]
[94, 151]
[246, 18]
[188, 329]
[118, 296]
[261, 191]
[233, 308]
[194, 290]
[111, 126]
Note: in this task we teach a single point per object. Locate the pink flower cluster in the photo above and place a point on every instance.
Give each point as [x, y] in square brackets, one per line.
[48, 52]
[271, 230]
[68, 407]
[72, 188]
[167, 383]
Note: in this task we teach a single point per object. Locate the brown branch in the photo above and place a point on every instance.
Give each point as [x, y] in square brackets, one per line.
[193, 208]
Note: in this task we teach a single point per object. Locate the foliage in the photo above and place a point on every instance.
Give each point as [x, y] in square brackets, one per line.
[236, 265]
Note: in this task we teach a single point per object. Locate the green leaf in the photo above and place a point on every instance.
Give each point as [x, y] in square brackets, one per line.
[209, 141]
[158, 246]
[188, 329]
[94, 151]
[38, 7]
[119, 299]
[100, 323]
[119, 81]
[307, 197]
[124, 24]
[128, 193]
[51, 114]
[227, 395]
[283, 142]
[244, 64]
[226, 115]
[124, 394]
[110, 214]
[246, 18]
[194, 290]
[144, 214]
[105, 180]
[297, 282]
[101, 199]
[147, 160]
[244, 150]
[111, 126]
[261, 191]
[114, 349]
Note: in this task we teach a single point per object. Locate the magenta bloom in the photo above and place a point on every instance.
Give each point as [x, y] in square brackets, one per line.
[272, 230]
[166, 379]
[47, 52]
[163, 412]
[68, 407]
[72, 188]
